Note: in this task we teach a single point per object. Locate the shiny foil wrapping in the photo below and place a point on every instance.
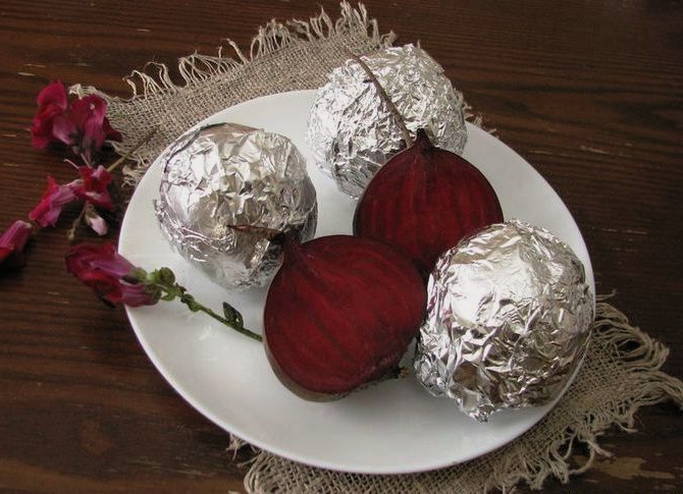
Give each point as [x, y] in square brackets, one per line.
[350, 130]
[509, 316]
[226, 175]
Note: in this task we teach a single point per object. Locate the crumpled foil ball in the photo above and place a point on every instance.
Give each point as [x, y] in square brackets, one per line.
[351, 133]
[509, 314]
[229, 175]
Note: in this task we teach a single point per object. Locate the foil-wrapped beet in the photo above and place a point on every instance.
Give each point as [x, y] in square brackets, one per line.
[509, 313]
[351, 131]
[227, 175]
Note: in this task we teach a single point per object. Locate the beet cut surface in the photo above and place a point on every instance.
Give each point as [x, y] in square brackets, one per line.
[424, 200]
[340, 313]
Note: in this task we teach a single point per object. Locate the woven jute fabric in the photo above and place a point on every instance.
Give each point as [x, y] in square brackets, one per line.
[621, 371]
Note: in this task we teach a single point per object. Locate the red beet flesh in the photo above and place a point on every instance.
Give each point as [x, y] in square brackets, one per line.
[340, 313]
[424, 200]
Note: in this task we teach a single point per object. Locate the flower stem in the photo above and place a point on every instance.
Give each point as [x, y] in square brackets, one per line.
[162, 281]
[71, 235]
[141, 143]
[195, 306]
[385, 97]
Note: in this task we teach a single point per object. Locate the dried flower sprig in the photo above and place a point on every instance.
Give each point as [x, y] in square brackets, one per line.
[81, 127]
[117, 281]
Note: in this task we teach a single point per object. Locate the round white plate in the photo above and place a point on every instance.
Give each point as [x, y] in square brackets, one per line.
[394, 427]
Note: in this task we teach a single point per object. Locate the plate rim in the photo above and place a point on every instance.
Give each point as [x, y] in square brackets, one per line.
[167, 374]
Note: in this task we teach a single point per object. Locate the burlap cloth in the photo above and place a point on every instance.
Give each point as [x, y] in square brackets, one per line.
[620, 373]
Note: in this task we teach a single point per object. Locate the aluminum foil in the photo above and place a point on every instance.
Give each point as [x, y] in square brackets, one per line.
[509, 314]
[352, 134]
[224, 175]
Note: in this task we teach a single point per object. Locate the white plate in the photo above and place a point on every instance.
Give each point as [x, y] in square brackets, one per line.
[395, 427]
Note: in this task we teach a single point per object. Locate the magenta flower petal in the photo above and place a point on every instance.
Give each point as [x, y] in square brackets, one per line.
[98, 256]
[96, 223]
[93, 186]
[83, 125]
[43, 126]
[110, 132]
[88, 116]
[64, 130]
[134, 295]
[52, 104]
[55, 197]
[101, 268]
[13, 241]
[93, 135]
[53, 94]
[89, 108]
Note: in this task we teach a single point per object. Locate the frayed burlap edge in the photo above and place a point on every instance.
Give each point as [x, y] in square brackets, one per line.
[282, 57]
[621, 373]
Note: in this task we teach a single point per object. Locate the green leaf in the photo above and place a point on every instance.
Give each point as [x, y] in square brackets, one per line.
[233, 315]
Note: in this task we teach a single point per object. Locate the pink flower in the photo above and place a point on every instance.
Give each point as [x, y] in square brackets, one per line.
[52, 102]
[81, 125]
[47, 211]
[12, 244]
[113, 277]
[92, 186]
[85, 127]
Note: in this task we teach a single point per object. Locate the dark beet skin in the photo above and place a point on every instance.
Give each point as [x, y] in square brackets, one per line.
[424, 200]
[340, 313]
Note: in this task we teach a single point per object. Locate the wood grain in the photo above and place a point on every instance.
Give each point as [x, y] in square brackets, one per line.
[591, 93]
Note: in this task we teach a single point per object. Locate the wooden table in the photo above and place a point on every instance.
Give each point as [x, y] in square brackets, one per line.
[589, 92]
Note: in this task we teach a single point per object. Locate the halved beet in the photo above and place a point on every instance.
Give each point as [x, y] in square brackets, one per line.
[340, 313]
[424, 200]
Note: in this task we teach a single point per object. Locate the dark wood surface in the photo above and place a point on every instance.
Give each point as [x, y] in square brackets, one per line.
[589, 92]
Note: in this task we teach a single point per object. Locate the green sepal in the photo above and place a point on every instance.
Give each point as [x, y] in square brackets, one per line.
[166, 276]
[137, 275]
